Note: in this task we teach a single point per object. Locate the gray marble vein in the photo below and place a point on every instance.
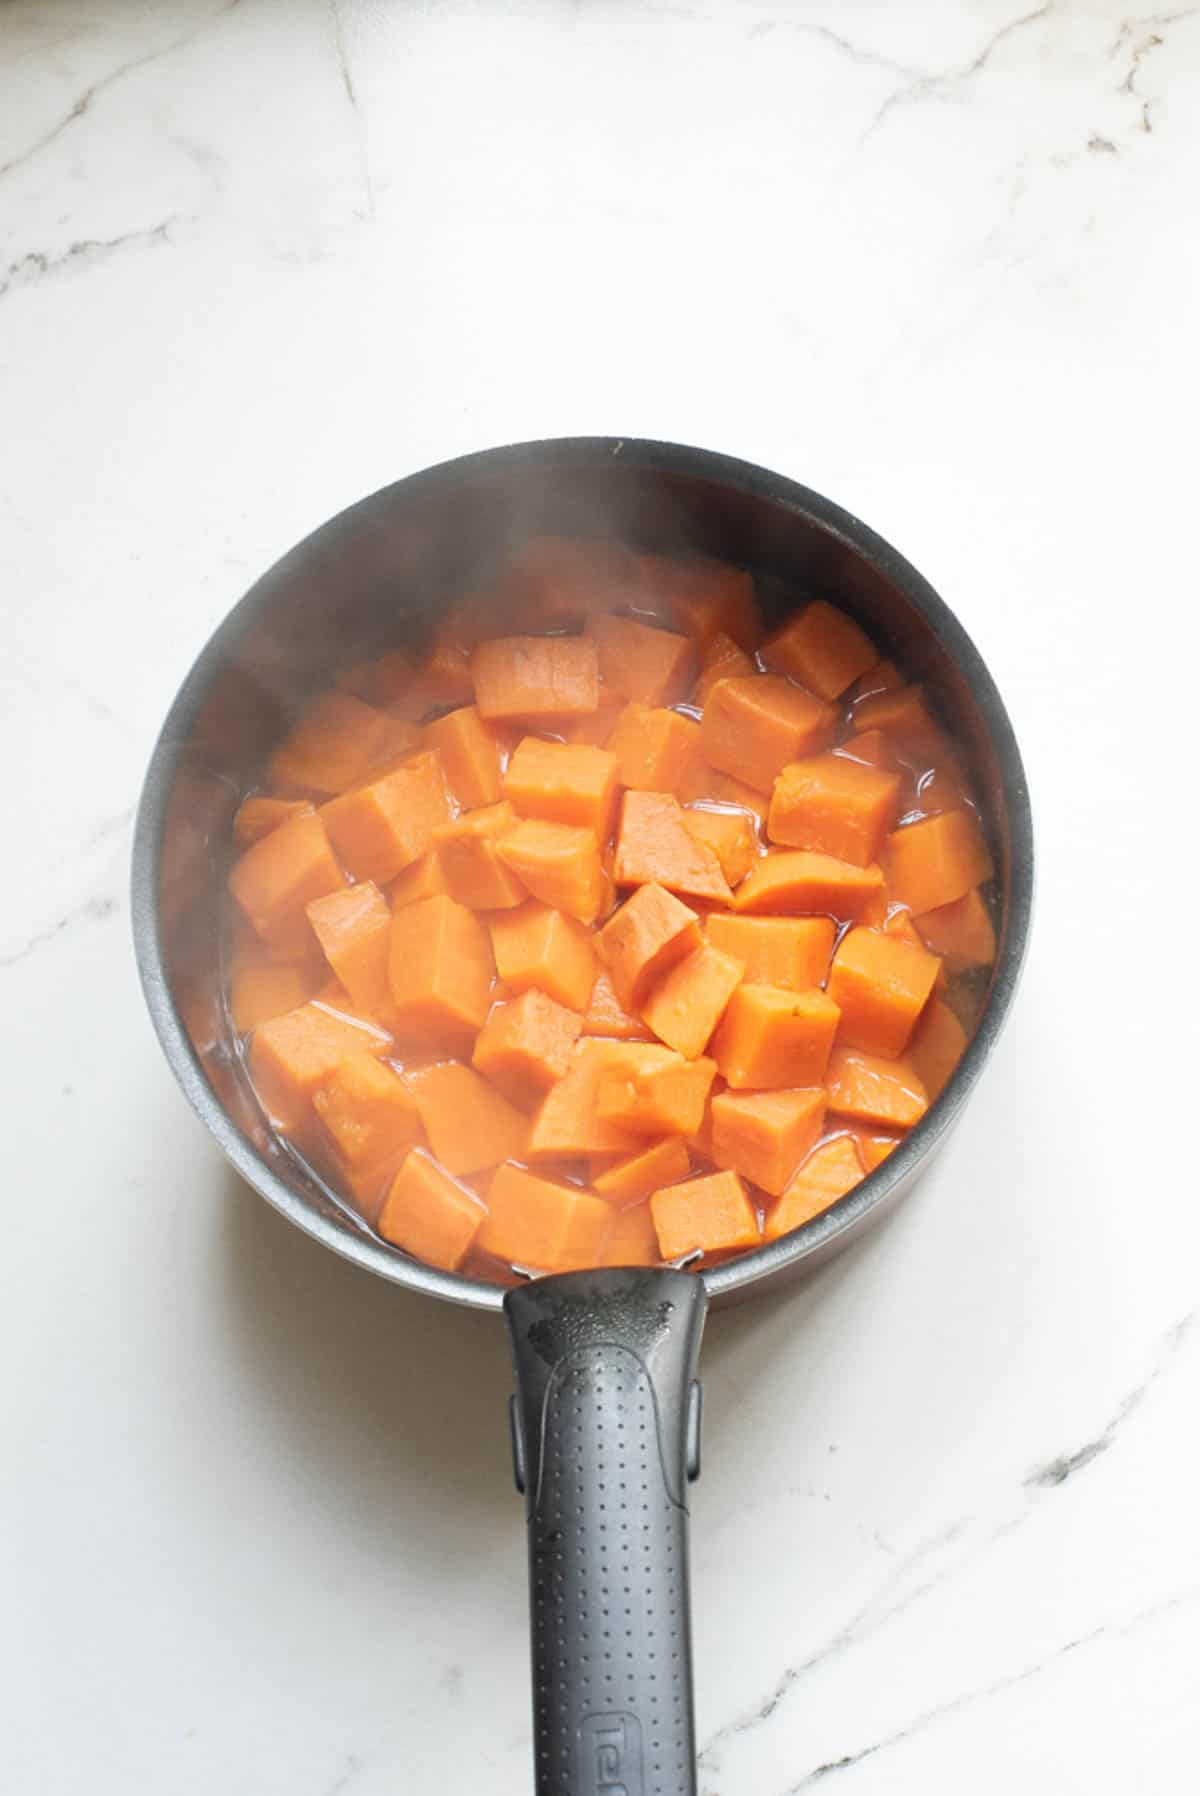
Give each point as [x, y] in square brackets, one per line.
[1107, 1630]
[81, 106]
[1056, 1471]
[925, 87]
[34, 265]
[93, 910]
[1131, 42]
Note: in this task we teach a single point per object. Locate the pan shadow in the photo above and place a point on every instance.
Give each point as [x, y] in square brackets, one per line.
[399, 1399]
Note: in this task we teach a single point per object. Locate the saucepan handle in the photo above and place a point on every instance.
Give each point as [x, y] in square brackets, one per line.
[606, 1435]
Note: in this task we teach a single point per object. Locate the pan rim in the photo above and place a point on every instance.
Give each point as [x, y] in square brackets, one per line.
[651, 456]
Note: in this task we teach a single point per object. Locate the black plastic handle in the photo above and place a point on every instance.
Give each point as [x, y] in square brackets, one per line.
[606, 1434]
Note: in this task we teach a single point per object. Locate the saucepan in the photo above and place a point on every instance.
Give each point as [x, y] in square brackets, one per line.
[606, 1415]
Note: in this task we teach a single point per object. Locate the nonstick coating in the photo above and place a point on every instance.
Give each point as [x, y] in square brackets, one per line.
[377, 573]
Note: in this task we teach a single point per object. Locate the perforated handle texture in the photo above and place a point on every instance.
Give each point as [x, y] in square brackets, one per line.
[605, 1433]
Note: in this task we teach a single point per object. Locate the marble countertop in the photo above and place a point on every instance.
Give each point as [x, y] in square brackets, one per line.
[939, 261]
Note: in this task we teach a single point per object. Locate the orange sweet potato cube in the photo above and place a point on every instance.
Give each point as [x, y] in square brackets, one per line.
[753, 727]
[443, 678]
[381, 828]
[526, 1044]
[702, 598]
[262, 989]
[368, 1111]
[568, 1122]
[771, 1038]
[440, 969]
[258, 815]
[663, 1097]
[685, 1004]
[829, 1172]
[931, 863]
[469, 752]
[655, 749]
[794, 880]
[880, 984]
[628, 1181]
[541, 1225]
[870, 1089]
[292, 1055]
[708, 1215]
[764, 1135]
[871, 747]
[520, 678]
[835, 806]
[468, 853]
[606, 1015]
[563, 782]
[470, 1125]
[793, 952]
[642, 663]
[901, 713]
[282, 873]
[596, 727]
[874, 1147]
[553, 582]
[633, 1241]
[354, 929]
[334, 743]
[723, 660]
[730, 834]
[937, 1047]
[822, 648]
[539, 946]
[655, 846]
[560, 864]
[648, 934]
[429, 1214]
[961, 932]
[423, 878]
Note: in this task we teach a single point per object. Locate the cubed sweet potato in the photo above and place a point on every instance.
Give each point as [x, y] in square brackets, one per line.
[655, 748]
[333, 744]
[655, 846]
[440, 969]
[793, 952]
[961, 932]
[527, 678]
[730, 834]
[648, 934]
[258, 815]
[830, 1171]
[469, 751]
[707, 1215]
[525, 1045]
[354, 929]
[381, 828]
[795, 881]
[903, 716]
[563, 782]
[764, 1135]
[606, 1015]
[369, 1113]
[870, 1089]
[262, 989]
[771, 1038]
[702, 598]
[539, 946]
[627, 1181]
[596, 727]
[666, 1097]
[753, 727]
[470, 1125]
[292, 1055]
[422, 879]
[469, 853]
[568, 1123]
[560, 864]
[931, 863]
[723, 660]
[880, 984]
[642, 663]
[835, 806]
[633, 1241]
[684, 1005]
[822, 648]
[541, 1225]
[280, 875]
[937, 1047]
[429, 1214]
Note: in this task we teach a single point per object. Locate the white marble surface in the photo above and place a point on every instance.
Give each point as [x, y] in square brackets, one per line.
[940, 261]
